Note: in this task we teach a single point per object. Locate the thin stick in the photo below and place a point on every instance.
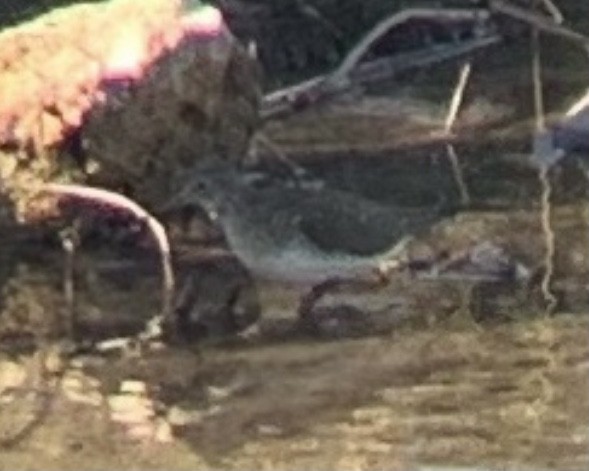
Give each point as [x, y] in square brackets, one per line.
[455, 103]
[554, 11]
[543, 175]
[537, 80]
[457, 96]
[386, 25]
[155, 227]
[69, 244]
[578, 106]
[458, 174]
[45, 393]
[541, 22]
[548, 237]
[353, 71]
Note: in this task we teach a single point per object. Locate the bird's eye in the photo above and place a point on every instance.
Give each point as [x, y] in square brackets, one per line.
[201, 186]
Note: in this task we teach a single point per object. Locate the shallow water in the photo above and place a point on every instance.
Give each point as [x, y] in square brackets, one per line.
[439, 373]
[423, 374]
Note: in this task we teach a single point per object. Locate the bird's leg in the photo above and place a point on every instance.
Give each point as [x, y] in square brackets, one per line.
[184, 302]
[70, 241]
[310, 299]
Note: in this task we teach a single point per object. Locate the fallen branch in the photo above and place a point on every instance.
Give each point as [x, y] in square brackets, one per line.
[325, 87]
[581, 105]
[387, 68]
[352, 72]
[439, 15]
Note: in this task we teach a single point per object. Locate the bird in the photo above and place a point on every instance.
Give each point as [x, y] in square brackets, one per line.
[303, 234]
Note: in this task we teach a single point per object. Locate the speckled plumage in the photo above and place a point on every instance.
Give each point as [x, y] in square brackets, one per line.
[301, 234]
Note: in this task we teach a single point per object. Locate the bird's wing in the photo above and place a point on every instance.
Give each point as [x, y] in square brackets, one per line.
[352, 225]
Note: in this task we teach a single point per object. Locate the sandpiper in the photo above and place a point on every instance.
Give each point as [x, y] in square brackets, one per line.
[306, 235]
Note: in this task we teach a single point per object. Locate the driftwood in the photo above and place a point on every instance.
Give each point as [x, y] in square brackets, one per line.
[353, 71]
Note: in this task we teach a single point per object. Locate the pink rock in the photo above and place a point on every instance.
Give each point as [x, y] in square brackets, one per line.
[206, 21]
[128, 55]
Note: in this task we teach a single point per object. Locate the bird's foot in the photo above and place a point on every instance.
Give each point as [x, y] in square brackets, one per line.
[340, 320]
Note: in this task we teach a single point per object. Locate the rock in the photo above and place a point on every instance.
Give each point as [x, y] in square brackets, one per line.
[81, 388]
[198, 101]
[180, 417]
[125, 105]
[130, 408]
[131, 386]
[135, 100]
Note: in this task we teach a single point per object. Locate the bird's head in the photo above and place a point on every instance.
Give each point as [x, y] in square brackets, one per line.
[217, 189]
[214, 192]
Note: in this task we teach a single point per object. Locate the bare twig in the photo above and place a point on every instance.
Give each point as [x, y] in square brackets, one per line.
[537, 81]
[540, 22]
[69, 242]
[554, 11]
[388, 67]
[458, 174]
[157, 230]
[455, 103]
[548, 237]
[322, 88]
[457, 96]
[358, 51]
[544, 177]
[312, 12]
[353, 72]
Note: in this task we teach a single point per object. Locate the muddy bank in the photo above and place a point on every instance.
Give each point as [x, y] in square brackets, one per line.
[427, 372]
[512, 396]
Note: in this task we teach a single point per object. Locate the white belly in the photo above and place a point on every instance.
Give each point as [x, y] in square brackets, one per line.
[288, 267]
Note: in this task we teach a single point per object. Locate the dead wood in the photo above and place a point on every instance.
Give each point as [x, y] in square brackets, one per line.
[541, 22]
[354, 71]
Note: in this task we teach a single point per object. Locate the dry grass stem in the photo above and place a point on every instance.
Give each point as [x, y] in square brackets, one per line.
[544, 177]
[455, 103]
